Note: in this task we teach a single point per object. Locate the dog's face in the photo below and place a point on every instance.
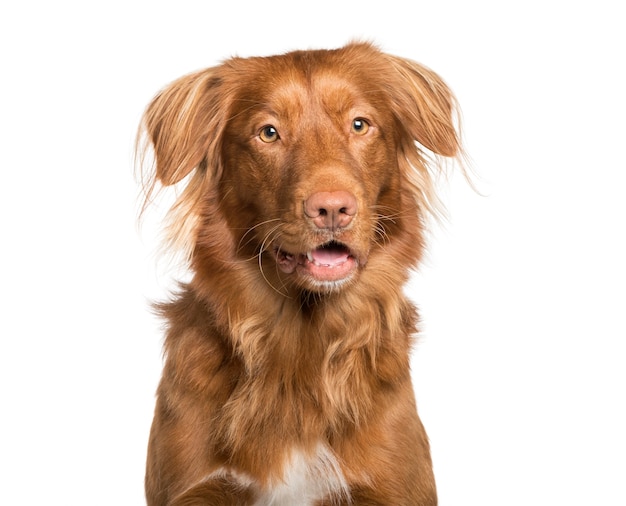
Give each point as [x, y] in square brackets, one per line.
[306, 157]
[311, 167]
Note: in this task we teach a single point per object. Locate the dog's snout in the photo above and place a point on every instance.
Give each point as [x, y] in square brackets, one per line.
[331, 210]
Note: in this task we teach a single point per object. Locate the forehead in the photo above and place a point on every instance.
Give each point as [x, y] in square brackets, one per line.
[304, 81]
[325, 92]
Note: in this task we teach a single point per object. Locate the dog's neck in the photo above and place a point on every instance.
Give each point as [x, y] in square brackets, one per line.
[297, 341]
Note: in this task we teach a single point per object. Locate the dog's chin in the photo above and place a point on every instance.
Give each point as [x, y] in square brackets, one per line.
[327, 268]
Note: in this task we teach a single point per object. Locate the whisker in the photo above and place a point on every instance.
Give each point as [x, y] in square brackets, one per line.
[252, 229]
[262, 249]
[380, 232]
[390, 213]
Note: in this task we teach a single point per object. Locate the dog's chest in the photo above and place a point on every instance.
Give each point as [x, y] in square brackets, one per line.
[306, 478]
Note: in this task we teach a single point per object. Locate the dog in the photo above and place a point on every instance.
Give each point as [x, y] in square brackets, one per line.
[305, 182]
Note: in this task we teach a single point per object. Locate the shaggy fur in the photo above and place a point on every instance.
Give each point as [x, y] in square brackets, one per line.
[307, 180]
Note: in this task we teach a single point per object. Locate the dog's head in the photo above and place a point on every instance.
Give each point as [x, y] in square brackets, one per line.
[305, 166]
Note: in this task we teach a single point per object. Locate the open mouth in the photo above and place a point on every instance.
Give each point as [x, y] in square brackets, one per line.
[332, 261]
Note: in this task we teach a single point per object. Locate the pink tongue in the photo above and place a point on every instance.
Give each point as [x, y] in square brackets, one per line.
[329, 256]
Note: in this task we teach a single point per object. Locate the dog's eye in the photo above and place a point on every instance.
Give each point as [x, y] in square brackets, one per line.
[268, 134]
[360, 126]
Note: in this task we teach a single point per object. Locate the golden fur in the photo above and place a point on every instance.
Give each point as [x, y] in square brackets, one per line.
[307, 180]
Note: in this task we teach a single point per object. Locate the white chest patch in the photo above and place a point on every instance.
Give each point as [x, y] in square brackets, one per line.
[306, 479]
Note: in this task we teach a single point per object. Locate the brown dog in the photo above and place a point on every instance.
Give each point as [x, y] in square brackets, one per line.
[287, 379]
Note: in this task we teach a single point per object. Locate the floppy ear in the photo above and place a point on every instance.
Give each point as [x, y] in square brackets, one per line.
[425, 105]
[184, 123]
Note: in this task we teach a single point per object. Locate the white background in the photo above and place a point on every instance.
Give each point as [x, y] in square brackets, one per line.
[519, 374]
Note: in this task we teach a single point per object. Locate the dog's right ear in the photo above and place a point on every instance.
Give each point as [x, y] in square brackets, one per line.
[184, 124]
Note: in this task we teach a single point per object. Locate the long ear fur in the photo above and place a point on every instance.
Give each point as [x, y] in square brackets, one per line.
[183, 125]
[428, 115]
[427, 106]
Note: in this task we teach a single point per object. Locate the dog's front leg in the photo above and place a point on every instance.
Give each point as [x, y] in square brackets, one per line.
[222, 491]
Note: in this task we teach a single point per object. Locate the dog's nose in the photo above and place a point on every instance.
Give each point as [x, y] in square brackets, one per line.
[331, 210]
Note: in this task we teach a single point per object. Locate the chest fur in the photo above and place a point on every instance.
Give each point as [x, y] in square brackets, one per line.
[306, 478]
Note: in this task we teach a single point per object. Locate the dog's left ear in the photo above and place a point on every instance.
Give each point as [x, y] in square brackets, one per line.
[425, 106]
